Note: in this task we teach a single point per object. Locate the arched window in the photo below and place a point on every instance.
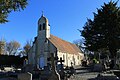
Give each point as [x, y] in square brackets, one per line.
[40, 27]
[44, 26]
[78, 57]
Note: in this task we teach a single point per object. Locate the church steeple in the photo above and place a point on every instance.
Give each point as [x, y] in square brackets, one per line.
[43, 27]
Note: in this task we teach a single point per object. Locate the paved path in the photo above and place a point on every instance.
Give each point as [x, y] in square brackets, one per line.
[84, 74]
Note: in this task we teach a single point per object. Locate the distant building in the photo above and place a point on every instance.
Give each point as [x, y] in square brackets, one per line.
[45, 43]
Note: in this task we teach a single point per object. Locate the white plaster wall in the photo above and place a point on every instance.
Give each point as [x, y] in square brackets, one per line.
[70, 58]
[60, 54]
[67, 56]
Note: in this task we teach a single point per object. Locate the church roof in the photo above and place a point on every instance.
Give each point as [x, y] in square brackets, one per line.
[64, 46]
[44, 18]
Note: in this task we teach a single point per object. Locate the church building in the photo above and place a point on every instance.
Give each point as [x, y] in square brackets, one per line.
[46, 43]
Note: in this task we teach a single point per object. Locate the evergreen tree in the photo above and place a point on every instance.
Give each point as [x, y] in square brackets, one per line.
[103, 32]
[6, 6]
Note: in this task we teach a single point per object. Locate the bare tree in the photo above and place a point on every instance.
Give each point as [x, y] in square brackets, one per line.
[27, 47]
[12, 47]
[79, 44]
[2, 47]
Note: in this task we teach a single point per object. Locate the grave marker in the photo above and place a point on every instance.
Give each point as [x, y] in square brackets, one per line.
[61, 61]
[25, 76]
[54, 74]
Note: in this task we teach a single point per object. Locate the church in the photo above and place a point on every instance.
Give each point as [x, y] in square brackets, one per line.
[46, 43]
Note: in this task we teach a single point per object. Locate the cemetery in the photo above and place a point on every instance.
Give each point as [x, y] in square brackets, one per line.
[49, 57]
[54, 72]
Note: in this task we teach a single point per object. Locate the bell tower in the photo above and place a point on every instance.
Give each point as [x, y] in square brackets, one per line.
[42, 34]
[43, 27]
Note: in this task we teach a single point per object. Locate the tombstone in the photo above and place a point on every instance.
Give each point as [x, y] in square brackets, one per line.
[98, 67]
[72, 71]
[61, 71]
[111, 64]
[36, 71]
[27, 68]
[25, 76]
[2, 68]
[117, 73]
[84, 63]
[61, 61]
[71, 63]
[46, 73]
[25, 62]
[36, 67]
[54, 73]
[47, 70]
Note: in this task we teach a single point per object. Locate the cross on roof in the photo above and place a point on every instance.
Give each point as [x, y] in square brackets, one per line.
[42, 13]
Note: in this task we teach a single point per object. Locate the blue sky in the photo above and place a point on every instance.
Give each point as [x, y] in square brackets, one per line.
[65, 17]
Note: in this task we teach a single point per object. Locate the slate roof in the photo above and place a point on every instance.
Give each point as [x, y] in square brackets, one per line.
[64, 46]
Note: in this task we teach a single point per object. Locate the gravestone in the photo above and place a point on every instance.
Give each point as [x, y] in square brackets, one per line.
[71, 63]
[117, 73]
[45, 74]
[61, 63]
[98, 67]
[36, 71]
[25, 76]
[27, 68]
[54, 73]
[47, 70]
[61, 71]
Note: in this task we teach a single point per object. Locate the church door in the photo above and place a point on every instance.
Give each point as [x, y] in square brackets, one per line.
[42, 62]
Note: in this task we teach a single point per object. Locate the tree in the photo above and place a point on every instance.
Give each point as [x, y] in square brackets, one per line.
[103, 32]
[7, 6]
[79, 43]
[12, 47]
[27, 47]
[2, 45]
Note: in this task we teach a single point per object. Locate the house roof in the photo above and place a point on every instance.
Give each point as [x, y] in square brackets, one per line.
[64, 46]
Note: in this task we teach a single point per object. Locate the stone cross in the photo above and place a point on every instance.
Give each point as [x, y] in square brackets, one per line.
[61, 62]
[54, 74]
[61, 72]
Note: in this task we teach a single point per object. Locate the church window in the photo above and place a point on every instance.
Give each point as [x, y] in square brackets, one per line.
[78, 57]
[46, 41]
[43, 26]
[73, 58]
[40, 27]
